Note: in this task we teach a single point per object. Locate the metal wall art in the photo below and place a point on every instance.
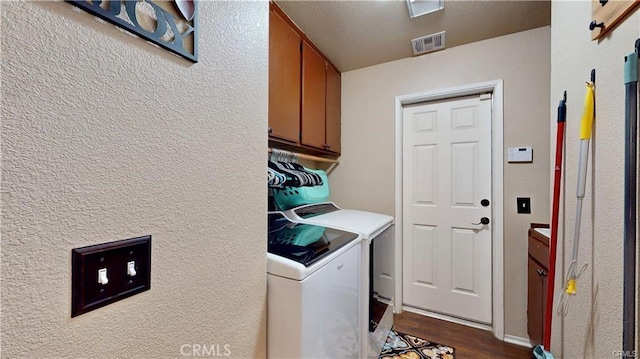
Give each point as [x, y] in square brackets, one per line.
[172, 25]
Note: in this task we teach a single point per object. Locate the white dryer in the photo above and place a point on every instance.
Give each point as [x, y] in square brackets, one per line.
[377, 264]
[328, 214]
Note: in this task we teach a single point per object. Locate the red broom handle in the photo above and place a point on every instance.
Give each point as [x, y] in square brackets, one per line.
[553, 245]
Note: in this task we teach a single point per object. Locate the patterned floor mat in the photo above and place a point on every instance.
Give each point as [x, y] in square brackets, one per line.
[405, 346]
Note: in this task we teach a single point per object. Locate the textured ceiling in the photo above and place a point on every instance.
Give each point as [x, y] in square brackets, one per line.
[355, 34]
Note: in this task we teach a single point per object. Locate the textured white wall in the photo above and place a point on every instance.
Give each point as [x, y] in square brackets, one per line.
[106, 137]
[365, 177]
[593, 326]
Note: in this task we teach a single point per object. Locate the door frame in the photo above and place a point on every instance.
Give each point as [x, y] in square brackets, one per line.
[497, 190]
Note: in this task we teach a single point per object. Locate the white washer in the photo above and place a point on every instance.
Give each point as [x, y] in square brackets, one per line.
[313, 291]
[377, 270]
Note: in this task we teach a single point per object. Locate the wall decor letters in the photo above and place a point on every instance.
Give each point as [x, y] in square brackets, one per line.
[172, 25]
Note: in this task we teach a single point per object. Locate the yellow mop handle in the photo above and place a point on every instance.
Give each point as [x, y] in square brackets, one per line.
[586, 125]
[587, 116]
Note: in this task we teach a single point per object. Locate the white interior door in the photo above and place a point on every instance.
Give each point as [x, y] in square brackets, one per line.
[446, 176]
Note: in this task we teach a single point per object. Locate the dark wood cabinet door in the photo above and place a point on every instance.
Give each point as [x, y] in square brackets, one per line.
[536, 301]
[334, 114]
[284, 79]
[313, 97]
[538, 266]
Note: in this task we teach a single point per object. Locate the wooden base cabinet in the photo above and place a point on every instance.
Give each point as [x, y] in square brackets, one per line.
[537, 274]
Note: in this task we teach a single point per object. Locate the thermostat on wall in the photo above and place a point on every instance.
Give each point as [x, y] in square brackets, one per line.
[520, 154]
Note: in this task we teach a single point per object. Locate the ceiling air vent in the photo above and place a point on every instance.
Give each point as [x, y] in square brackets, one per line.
[429, 43]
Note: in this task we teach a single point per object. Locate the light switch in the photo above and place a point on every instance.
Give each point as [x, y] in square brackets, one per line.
[524, 204]
[102, 276]
[131, 269]
[108, 272]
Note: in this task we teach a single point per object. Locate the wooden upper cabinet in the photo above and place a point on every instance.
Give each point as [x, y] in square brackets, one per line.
[313, 97]
[333, 108]
[304, 90]
[284, 79]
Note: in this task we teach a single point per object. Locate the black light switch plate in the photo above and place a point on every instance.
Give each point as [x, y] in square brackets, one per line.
[524, 204]
[122, 278]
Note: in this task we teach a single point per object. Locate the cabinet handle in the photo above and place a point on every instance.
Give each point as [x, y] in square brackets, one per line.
[270, 130]
[541, 272]
[327, 146]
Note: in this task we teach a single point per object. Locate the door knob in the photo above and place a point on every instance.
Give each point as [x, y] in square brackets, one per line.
[483, 220]
[485, 202]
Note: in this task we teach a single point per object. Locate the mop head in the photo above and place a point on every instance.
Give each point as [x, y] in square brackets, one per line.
[540, 353]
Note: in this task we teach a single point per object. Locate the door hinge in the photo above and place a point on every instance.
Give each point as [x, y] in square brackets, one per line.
[485, 96]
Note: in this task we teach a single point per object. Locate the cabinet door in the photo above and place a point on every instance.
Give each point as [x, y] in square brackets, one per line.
[536, 301]
[334, 88]
[313, 97]
[284, 79]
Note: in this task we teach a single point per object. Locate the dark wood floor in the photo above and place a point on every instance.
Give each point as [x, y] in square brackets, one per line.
[469, 343]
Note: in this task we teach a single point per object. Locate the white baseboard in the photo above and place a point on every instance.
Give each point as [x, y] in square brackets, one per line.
[523, 342]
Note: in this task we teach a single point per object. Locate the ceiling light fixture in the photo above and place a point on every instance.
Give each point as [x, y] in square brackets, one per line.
[423, 7]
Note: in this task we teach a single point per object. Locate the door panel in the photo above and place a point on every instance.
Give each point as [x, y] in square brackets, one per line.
[424, 251]
[464, 159]
[536, 301]
[463, 245]
[284, 79]
[334, 109]
[446, 172]
[313, 97]
[425, 187]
